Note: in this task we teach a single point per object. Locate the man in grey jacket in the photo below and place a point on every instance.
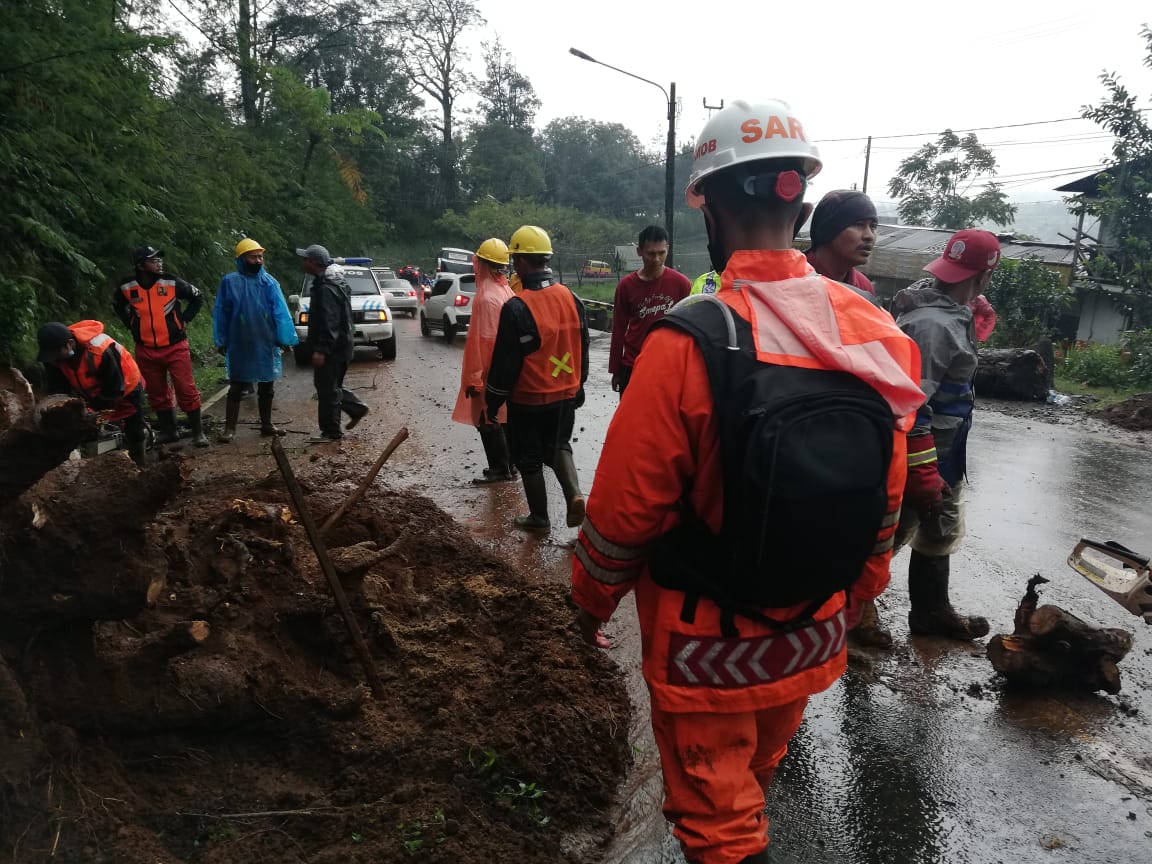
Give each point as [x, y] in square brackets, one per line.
[934, 313]
[330, 334]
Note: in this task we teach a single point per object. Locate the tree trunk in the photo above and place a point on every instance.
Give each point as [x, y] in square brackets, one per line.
[1012, 373]
[246, 62]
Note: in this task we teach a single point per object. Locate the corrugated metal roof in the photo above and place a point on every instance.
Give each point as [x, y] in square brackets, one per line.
[902, 251]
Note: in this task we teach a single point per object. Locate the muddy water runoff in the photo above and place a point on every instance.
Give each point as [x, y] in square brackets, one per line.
[916, 756]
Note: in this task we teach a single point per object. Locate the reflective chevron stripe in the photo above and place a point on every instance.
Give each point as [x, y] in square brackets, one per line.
[729, 663]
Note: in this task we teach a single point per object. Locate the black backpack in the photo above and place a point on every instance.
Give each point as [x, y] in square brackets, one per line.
[805, 456]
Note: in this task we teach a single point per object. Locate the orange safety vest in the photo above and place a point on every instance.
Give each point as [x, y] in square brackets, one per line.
[663, 444]
[552, 373]
[154, 310]
[92, 342]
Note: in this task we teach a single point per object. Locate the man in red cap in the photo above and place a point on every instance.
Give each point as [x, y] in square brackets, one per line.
[934, 312]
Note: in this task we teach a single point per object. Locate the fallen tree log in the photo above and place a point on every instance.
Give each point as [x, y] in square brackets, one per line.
[58, 538]
[1011, 373]
[1051, 647]
[35, 437]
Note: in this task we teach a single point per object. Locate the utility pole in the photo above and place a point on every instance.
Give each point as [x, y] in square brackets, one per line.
[712, 108]
[670, 173]
[867, 161]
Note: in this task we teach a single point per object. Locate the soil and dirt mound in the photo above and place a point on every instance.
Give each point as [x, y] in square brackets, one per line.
[1134, 413]
[228, 722]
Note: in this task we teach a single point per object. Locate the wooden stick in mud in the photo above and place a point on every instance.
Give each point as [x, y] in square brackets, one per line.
[355, 497]
[297, 495]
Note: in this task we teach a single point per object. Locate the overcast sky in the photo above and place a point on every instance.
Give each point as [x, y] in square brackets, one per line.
[849, 70]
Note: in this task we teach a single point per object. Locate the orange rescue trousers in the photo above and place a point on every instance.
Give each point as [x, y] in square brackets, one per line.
[717, 768]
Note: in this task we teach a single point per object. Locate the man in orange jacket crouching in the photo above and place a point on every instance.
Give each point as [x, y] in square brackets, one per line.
[749, 493]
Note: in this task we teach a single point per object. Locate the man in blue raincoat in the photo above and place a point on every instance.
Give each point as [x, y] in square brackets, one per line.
[251, 324]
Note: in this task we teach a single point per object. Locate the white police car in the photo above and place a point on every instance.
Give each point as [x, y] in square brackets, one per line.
[370, 313]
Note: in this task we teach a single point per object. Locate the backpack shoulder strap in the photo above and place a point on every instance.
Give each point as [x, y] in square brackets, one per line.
[720, 333]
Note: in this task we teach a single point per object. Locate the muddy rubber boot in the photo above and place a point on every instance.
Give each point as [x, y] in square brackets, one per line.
[758, 858]
[499, 468]
[137, 450]
[570, 483]
[166, 431]
[870, 633]
[536, 492]
[264, 406]
[231, 415]
[199, 439]
[931, 613]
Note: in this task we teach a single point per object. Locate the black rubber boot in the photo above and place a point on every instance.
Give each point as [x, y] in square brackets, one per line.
[231, 415]
[570, 483]
[499, 468]
[264, 406]
[536, 491]
[166, 431]
[758, 858]
[199, 439]
[137, 450]
[931, 613]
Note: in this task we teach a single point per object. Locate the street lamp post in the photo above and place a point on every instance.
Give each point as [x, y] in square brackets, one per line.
[670, 152]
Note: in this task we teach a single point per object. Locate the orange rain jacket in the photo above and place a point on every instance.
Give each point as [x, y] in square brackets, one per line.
[663, 440]
[492, 292]
[88, 376]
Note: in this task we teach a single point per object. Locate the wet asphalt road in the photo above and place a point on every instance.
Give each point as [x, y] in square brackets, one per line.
[918, 755]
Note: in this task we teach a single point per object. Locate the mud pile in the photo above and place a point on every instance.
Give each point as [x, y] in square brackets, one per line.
[1134, 413]
[228, 722]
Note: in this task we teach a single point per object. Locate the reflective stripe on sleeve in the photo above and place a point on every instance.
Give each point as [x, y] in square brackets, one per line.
[602, 574]
[606, 547]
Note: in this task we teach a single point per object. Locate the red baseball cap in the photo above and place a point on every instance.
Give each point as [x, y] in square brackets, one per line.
[966, 254]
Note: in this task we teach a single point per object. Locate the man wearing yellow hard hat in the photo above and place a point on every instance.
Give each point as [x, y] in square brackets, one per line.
[251, 324]
[538, 368]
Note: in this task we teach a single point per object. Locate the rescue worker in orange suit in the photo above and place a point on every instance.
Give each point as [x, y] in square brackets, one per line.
[539, 368]
[149, 304]
[489, 264]
[724, 707]
[82, 360]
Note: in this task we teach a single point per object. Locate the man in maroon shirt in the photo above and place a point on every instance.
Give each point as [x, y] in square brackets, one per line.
[642, 298]
[843, 233]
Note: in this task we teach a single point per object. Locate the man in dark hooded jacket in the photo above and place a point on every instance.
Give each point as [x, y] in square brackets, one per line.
[330, 338]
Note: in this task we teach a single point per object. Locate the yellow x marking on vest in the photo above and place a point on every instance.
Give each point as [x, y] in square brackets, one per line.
[561, 364]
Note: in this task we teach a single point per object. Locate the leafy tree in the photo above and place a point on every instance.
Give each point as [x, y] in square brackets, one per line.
[503, 158]
[435, 57]
[932, 185]
[1124, 202]
[600, 168]
[1029, 300]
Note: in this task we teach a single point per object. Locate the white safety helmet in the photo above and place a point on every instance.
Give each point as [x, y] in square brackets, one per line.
[744, 133]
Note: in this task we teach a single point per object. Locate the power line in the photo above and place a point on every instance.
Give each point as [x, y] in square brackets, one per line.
[957, 131]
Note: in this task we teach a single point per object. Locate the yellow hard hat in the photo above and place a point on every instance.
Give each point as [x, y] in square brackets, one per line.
[247, 245]
[493, 249]
[530, 240]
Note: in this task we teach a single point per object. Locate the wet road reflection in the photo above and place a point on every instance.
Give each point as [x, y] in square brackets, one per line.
[915, 756]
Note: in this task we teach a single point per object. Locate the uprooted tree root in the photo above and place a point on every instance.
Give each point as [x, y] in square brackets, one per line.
[228, 722]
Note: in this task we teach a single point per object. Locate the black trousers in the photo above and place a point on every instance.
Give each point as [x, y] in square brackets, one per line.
[537, 432]
[266, 389]
[134, 425]
[333, 398]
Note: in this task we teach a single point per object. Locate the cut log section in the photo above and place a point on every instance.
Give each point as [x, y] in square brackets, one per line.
[1012, 373]
[1052, 648]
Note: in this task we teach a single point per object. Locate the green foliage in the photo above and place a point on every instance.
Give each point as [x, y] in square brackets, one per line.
[1137, 346]
[1124, 202]
[522, 797]
[419, 835]
[932, 185]
[1029, 300]
[1095, 365]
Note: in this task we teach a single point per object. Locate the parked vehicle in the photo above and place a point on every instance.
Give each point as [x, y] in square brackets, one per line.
[401, 293]
[450, 260]
[449, 307]
[596, 270]
[370, 314]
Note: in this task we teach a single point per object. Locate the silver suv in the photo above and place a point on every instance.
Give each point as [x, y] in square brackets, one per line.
[449, 306]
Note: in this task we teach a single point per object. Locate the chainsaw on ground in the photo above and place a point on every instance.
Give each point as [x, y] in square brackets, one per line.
[1119, 572]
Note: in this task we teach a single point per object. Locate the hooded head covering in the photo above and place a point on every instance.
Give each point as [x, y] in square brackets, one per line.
[492, 292]
[836, 211]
